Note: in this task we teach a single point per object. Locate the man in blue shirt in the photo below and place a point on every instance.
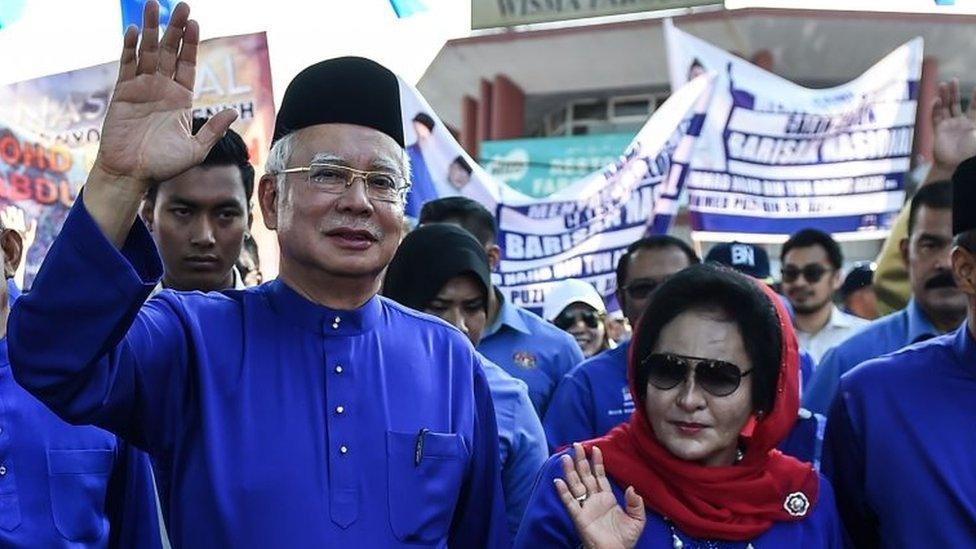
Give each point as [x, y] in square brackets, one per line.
[900, 438]
[594, 397]
[63, 485]
[306, 412]
[936, 307]
[522, 343]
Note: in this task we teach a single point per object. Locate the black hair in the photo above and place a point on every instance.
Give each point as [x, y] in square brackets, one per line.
[711, 287]
[230, 150]
[814, 237]
[937, 195]
[652, 243]
[467, 213]
[425, 119]
[460, 161]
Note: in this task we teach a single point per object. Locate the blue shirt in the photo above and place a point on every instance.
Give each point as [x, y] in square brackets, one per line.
[900, 444]
[547, 524]
[530, 349]
[521, 441]
[595, 397]
[880, 337]
[422, 188]
[63, 485]
[272, 421]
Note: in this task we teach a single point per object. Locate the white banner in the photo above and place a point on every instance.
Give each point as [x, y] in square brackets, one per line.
[581, 231]
[775, 157]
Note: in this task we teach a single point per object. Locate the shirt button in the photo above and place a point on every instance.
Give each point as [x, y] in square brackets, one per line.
[343, 450]
[3, 470]
[340, 409]
[338, 369]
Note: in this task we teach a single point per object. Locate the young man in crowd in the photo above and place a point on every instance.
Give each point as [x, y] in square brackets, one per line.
[811, 273]
[522, 343]
[200, 218]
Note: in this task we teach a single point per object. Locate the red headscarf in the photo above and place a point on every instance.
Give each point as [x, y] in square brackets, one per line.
[735, 503]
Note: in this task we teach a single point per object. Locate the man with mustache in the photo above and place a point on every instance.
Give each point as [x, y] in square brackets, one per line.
[936, 307]
[812, 262]
[900, 438]
[305, 412]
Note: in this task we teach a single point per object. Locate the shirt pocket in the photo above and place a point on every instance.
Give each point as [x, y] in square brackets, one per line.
[78, 480]
[423, 495]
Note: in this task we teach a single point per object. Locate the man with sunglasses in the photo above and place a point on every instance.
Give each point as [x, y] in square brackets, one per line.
[900, 438]
[305, 412]
[593, 398]
[811, 263]
[936, 307]
[522, 343]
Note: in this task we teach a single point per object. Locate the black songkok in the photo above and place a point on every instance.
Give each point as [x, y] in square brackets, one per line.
[345, 90]
[964, 197]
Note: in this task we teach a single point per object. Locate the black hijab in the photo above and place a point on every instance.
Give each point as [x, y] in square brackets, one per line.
[428, 258]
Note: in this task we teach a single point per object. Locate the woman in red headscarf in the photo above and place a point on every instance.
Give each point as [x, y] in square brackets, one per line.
[713, 370]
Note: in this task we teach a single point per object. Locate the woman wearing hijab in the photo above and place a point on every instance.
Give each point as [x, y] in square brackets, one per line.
[442, 270]
[713, 373]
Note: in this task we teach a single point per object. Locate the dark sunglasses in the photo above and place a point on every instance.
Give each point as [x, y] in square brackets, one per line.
[812, 272]
[666, 371]
[640, 289]
[567, 319]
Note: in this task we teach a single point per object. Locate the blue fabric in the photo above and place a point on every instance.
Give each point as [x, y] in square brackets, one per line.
[530, 349]
[547, 524]
[521, 441]
[272, 421]
[880, 337]
[594, 398]
[63, 485]
[900, 443]
[422, 188]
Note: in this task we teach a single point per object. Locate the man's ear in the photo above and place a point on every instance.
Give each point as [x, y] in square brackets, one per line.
[964, 269]
[268, 199]
[13, 251]
[903, 248]
[148, 212]
[494, 252]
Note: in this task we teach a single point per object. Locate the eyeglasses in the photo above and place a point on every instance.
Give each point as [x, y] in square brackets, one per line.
[335, 179]
[640, 289]
[566, 319]
[812, 272]
[666, 371]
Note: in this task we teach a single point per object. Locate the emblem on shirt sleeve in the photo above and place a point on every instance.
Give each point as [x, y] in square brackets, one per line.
[524, 360]
[796, 504]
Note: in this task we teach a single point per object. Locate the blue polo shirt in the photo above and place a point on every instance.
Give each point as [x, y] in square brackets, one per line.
[883, 336]
[900, 443]
[594, 398]
[530, 349]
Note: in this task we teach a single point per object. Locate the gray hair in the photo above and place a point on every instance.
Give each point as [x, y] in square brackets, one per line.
[281, 151]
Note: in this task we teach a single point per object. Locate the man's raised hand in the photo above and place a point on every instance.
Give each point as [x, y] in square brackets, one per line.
[147, 135]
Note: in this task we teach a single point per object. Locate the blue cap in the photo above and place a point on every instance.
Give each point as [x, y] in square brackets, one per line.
[748, 259]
